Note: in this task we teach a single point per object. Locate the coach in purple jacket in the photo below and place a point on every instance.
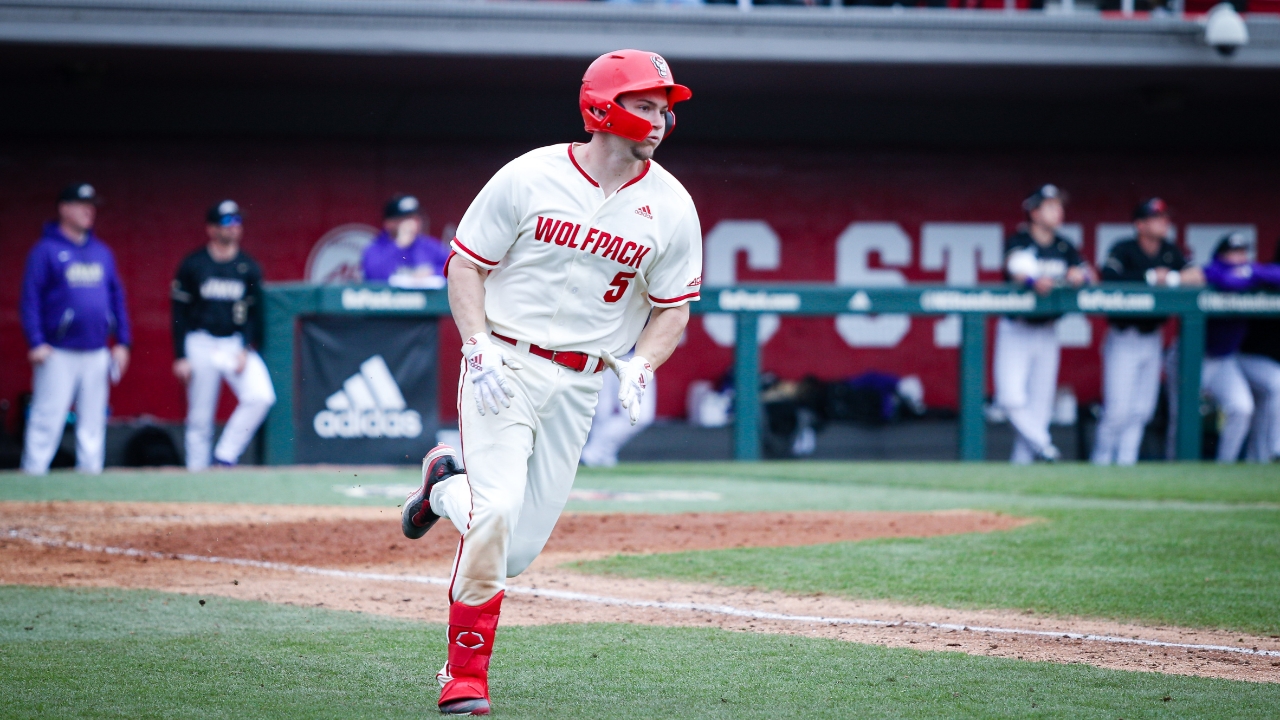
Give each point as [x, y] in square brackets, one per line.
[401, 255]
[72, 303]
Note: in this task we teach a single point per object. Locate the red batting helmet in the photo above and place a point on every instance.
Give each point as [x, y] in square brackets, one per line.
[621, 72]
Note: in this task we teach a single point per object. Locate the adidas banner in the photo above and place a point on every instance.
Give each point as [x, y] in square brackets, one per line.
[366, 390]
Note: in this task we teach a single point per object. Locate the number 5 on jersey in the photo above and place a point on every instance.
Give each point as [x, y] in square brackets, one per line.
[619, 286]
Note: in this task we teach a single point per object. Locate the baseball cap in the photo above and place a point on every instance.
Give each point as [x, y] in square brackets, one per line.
[79, 192]
[1149, 208]
[1232, 241]
[1048, 191]
[224, 212]
[400, 206]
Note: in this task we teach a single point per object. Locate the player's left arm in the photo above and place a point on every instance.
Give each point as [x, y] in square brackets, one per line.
[120, 315]
[1079, 271]
[661, 336]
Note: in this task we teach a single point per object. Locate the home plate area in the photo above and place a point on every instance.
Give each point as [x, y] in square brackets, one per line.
[354, 558]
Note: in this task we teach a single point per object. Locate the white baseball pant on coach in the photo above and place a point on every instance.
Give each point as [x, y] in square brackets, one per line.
[520, 466]
[1131, 387]
[68, 375]
[1026, 379]
[213, 360]
[1222, 378]
[1263, 375]
[611, 429]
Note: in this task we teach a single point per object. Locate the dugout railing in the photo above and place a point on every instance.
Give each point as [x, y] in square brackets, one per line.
[286, 302]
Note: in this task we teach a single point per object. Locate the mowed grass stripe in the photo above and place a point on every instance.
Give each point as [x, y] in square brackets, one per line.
[1191, 569]
[93, 653]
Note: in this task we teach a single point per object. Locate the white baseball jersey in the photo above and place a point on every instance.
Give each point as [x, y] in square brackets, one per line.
[571, 269]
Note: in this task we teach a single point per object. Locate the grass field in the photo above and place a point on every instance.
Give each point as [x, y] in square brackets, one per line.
[1193, 545]
[145, 654]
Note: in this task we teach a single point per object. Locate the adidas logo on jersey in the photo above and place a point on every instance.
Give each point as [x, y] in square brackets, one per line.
[369, 405]
[644, 212]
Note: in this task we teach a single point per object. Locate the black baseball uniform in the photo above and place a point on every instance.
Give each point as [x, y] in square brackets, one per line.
[1052, 260]
[1127, 262]
[221, 298]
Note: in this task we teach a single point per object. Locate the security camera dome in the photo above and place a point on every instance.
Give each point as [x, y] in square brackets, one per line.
[1224, 29]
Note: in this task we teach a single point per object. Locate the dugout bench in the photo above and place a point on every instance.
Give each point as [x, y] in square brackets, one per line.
[287, 302]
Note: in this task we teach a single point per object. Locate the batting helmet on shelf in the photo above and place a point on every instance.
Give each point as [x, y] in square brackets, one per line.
[624, 71]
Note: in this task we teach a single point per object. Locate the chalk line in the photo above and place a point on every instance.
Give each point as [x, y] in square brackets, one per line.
[727, 610]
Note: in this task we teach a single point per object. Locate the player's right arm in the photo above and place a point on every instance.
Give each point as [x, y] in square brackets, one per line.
[181, 297]
[487, 230]
[33, 283]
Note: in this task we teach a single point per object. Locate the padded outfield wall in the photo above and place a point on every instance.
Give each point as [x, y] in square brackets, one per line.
[768, 213]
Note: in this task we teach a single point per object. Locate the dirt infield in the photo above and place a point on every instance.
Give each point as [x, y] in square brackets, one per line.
[368, 540]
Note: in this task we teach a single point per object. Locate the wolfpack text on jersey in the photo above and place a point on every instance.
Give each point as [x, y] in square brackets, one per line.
[579, 271]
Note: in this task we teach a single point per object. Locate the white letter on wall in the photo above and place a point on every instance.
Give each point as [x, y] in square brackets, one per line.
[961, 248]
[853, 250]
[720, 269]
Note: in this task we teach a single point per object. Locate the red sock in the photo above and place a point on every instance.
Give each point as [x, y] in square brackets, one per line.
[471, 633]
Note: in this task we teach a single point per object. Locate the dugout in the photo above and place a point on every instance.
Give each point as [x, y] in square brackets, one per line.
[869, 148]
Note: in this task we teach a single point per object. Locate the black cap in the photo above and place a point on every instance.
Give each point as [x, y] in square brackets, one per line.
[400, 206]
[79, 192]
[1048, 191]
[1233, 241]
[224, 212]
[1149, 208]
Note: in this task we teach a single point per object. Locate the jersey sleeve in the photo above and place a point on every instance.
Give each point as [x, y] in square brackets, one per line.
[182, 295]
[1117, 268]
[488, 228]
[676, 277]
[33, 285]
[116, 298]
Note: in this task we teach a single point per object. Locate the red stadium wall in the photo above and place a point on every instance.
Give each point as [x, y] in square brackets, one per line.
[156, 194]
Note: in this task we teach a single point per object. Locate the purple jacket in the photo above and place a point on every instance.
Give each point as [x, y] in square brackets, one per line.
[1224, 335]
[71, 294]
[382, 258]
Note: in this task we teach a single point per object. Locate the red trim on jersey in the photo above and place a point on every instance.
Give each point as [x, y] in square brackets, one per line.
[574, 160]
[448, 260]
[637, 178]
[469, 251]
[660, 301]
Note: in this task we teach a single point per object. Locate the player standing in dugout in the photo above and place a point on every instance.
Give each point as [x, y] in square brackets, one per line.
[1027, 352]
[1133, 353]
[72, 302]
[571, 255]
[217, 326]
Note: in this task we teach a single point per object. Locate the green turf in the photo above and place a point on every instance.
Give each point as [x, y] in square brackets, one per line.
[1148, 481]
[1185, 568]
[94, 653]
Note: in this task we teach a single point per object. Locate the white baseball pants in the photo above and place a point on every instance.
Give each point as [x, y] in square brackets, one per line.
[1222, 379]
[520, 466]
[611, 429]
[1026, 379]
[1131, 387]
[67, 376]
[213, 359]
[1263, 375]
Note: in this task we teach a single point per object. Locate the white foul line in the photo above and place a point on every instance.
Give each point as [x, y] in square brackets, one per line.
[728, 610]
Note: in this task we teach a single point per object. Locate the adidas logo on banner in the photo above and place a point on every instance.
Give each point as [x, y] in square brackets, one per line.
[369, 405]
[644, 212]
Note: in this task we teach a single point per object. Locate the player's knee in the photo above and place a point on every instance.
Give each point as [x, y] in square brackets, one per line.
[1241, 405]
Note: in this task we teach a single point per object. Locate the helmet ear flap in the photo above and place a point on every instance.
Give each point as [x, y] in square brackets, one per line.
[670, 124]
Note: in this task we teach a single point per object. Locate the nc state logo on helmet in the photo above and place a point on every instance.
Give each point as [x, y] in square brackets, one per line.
[625, 71]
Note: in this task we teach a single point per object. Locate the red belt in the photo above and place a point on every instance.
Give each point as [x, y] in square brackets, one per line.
[575, 361]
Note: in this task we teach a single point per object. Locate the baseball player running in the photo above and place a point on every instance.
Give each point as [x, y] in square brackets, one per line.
[72, 302]
[217, 323]
[1132, 354]
[1027, 351]
[568, 257]
[1221, 375]
[1260, 361]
